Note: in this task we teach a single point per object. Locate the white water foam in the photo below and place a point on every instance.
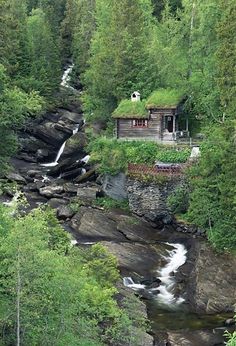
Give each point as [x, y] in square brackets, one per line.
[85, 159]
[60, 152]
[83, 171]
[128, 282]
[66, 77]
[73, 242]
[55, 163]
[177, 257]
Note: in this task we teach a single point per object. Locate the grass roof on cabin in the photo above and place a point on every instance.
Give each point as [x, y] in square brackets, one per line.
[165, 98]
[128, 109]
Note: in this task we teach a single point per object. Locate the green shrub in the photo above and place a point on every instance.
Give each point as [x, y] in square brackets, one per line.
[178, 201]
[113, 155]
[109, 203]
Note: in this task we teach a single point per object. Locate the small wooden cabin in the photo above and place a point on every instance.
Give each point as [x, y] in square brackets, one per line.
[159, 118]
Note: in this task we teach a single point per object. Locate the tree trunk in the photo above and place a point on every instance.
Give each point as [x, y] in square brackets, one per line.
[18, 291]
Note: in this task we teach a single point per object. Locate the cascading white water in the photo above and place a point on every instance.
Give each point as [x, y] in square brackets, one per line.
[128, 282]
[66, 77]
[60, 152]
[55, 163]
[177, 257]
[83, 171]
[85, 159]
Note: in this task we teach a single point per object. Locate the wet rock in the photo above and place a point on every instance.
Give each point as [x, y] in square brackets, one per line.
[42, 154]
[138, 258]
[70, 188]
[211, 284]
[230, 322]
[75, 146]
[16, 177]
[87, 195]
[73, 117]
[30, 144]
[194, 338]
[95, 224]
[51, 191]
[49, 134]
[55, 203]
[88, 176]
[137, 230]
[115, 186]
[72, 174]
[26, 157]
[64, 212]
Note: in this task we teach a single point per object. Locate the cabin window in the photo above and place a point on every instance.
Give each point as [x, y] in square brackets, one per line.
[140, 123]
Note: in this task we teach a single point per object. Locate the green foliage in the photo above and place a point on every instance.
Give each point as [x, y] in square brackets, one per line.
[59, 299]
[15, 107]
[117, 55]
[113, 156]
[231, 337]
[212, 200]
[129, 109]
[109, 203]
[44, 71]
[178, 201]
[164, 98]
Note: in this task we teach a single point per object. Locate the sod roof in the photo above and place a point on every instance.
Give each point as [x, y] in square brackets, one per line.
[165, 98]
[128, 109]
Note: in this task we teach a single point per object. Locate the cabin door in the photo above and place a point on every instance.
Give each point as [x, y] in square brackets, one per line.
[169, 123]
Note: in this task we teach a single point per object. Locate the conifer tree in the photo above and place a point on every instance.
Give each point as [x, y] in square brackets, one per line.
[44, 62]
[118, 54]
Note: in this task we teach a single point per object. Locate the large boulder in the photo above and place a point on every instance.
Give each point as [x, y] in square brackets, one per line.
[49, 134]
[114, 186]
[75, 146]
[51, 191]
[211, 284]
[194, 338]
[94, 224]
[16, 177]
[87, 195]
[142, 259]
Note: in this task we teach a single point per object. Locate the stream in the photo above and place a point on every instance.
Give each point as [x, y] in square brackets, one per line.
[167, 307]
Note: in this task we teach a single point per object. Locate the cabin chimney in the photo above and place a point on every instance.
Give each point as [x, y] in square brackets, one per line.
[135, 96]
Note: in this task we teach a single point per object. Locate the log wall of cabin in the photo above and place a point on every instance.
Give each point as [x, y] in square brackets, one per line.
[154, 131]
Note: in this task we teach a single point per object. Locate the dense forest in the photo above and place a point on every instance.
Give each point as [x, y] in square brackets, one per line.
[116, 47]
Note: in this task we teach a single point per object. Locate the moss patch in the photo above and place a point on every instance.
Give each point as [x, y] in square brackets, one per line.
[165, 98]
[128, 109]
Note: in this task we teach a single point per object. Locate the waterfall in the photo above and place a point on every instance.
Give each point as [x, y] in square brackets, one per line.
[86, 159]
[165, 296]
[177, 257]
[128, 282]
[66, 77]
[60, 152]
[55, 163]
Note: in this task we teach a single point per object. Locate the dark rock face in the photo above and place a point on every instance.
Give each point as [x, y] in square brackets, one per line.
[51, 191]
[87, 195]
[64, 212]
[211, 285]
[115, 186]
[91, 223]
[16, 177]
[75, 146]
[149, 199]
[194, 338]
